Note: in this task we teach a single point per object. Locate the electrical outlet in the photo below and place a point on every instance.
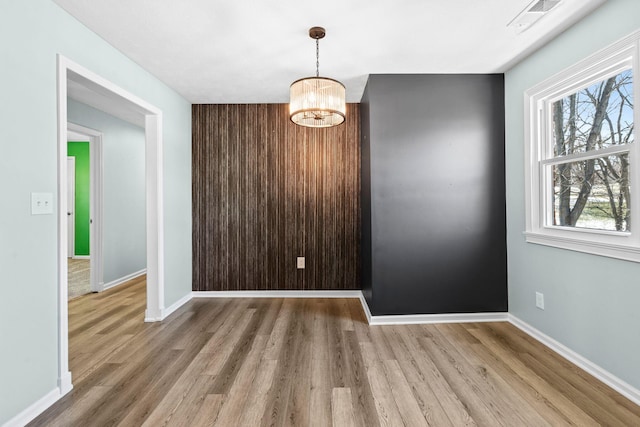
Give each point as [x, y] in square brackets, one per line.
[300, 263]
[540, 300]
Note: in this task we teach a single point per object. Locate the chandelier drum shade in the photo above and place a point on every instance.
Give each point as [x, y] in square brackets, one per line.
[317, 102]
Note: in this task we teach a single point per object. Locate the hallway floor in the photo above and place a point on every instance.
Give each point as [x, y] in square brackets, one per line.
[79, 277]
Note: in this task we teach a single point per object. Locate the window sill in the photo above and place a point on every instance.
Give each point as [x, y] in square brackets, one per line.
[624, 252]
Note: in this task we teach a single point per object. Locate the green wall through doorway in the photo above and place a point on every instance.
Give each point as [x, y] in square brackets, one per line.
[80, 150]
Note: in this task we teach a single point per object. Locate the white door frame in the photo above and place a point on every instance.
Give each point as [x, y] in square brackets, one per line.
[152, 116]
[96, 261]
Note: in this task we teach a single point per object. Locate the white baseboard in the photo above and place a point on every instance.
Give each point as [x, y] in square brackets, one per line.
[365, 307]
[166, 312]
[35, 409]
[276, 294]
[163, 313]
[424, 319]
[603, 375]
[121, 280]
[81, 257]
[419, 319]
[64, 383]
[152, 316]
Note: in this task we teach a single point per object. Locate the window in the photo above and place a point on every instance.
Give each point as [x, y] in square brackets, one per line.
[581, 159]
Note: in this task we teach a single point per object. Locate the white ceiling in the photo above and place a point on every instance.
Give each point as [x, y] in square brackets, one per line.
[249, 51]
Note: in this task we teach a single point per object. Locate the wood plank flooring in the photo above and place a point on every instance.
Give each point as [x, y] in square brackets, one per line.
[79, 279]
[312, 362]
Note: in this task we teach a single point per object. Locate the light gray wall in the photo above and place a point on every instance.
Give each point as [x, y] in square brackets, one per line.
[591, 302]
[31, 34]
[124, 237]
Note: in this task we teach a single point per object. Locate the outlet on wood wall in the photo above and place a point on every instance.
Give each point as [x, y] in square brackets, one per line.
[265, 192]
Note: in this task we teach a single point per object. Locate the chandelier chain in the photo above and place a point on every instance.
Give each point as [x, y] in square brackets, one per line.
[317, 57]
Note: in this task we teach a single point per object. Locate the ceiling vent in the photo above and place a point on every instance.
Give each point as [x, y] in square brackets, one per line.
[532, 13]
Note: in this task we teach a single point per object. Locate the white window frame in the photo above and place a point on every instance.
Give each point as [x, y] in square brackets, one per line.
[622, 55]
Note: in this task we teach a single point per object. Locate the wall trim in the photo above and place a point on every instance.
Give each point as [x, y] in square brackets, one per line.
[277, 294]
[65, 384]
[365, 307]
[123, 279]
[166, 312]
[81, 257]
[35, 409]
[622, 55]
[419, 319]
[119, 99]
[582, 362]
[424, 319]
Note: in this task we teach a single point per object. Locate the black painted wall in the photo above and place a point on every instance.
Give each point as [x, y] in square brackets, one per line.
[433, 194]
[365, 200]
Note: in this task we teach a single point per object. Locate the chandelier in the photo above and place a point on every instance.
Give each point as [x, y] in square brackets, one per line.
[317, 102]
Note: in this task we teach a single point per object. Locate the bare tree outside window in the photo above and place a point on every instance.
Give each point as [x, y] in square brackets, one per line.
[589, 190]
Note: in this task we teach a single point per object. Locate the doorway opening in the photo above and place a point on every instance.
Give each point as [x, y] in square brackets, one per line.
[75, 81]
[84, 210]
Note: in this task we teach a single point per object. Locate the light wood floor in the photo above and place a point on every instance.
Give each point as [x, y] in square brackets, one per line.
[302, 362]
[79, 281]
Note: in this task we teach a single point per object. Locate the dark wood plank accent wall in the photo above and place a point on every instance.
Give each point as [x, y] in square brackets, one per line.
[266, 191]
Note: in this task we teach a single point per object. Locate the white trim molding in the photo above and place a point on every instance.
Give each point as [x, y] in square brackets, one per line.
[123, 279]
[425, 319]
[154, 171]
[582, 362]
[621, 56]
[65, 384]
[365, 307]
[277, 294]
[69, 72]
[35, 409]
[624, 252]
[63, 286]
[166, 312]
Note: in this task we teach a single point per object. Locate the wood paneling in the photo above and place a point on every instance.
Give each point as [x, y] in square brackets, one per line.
[266, 191]
[307, 361]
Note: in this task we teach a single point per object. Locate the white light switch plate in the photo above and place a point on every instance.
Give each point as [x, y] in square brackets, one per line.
[300, 263]
[41, 203]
